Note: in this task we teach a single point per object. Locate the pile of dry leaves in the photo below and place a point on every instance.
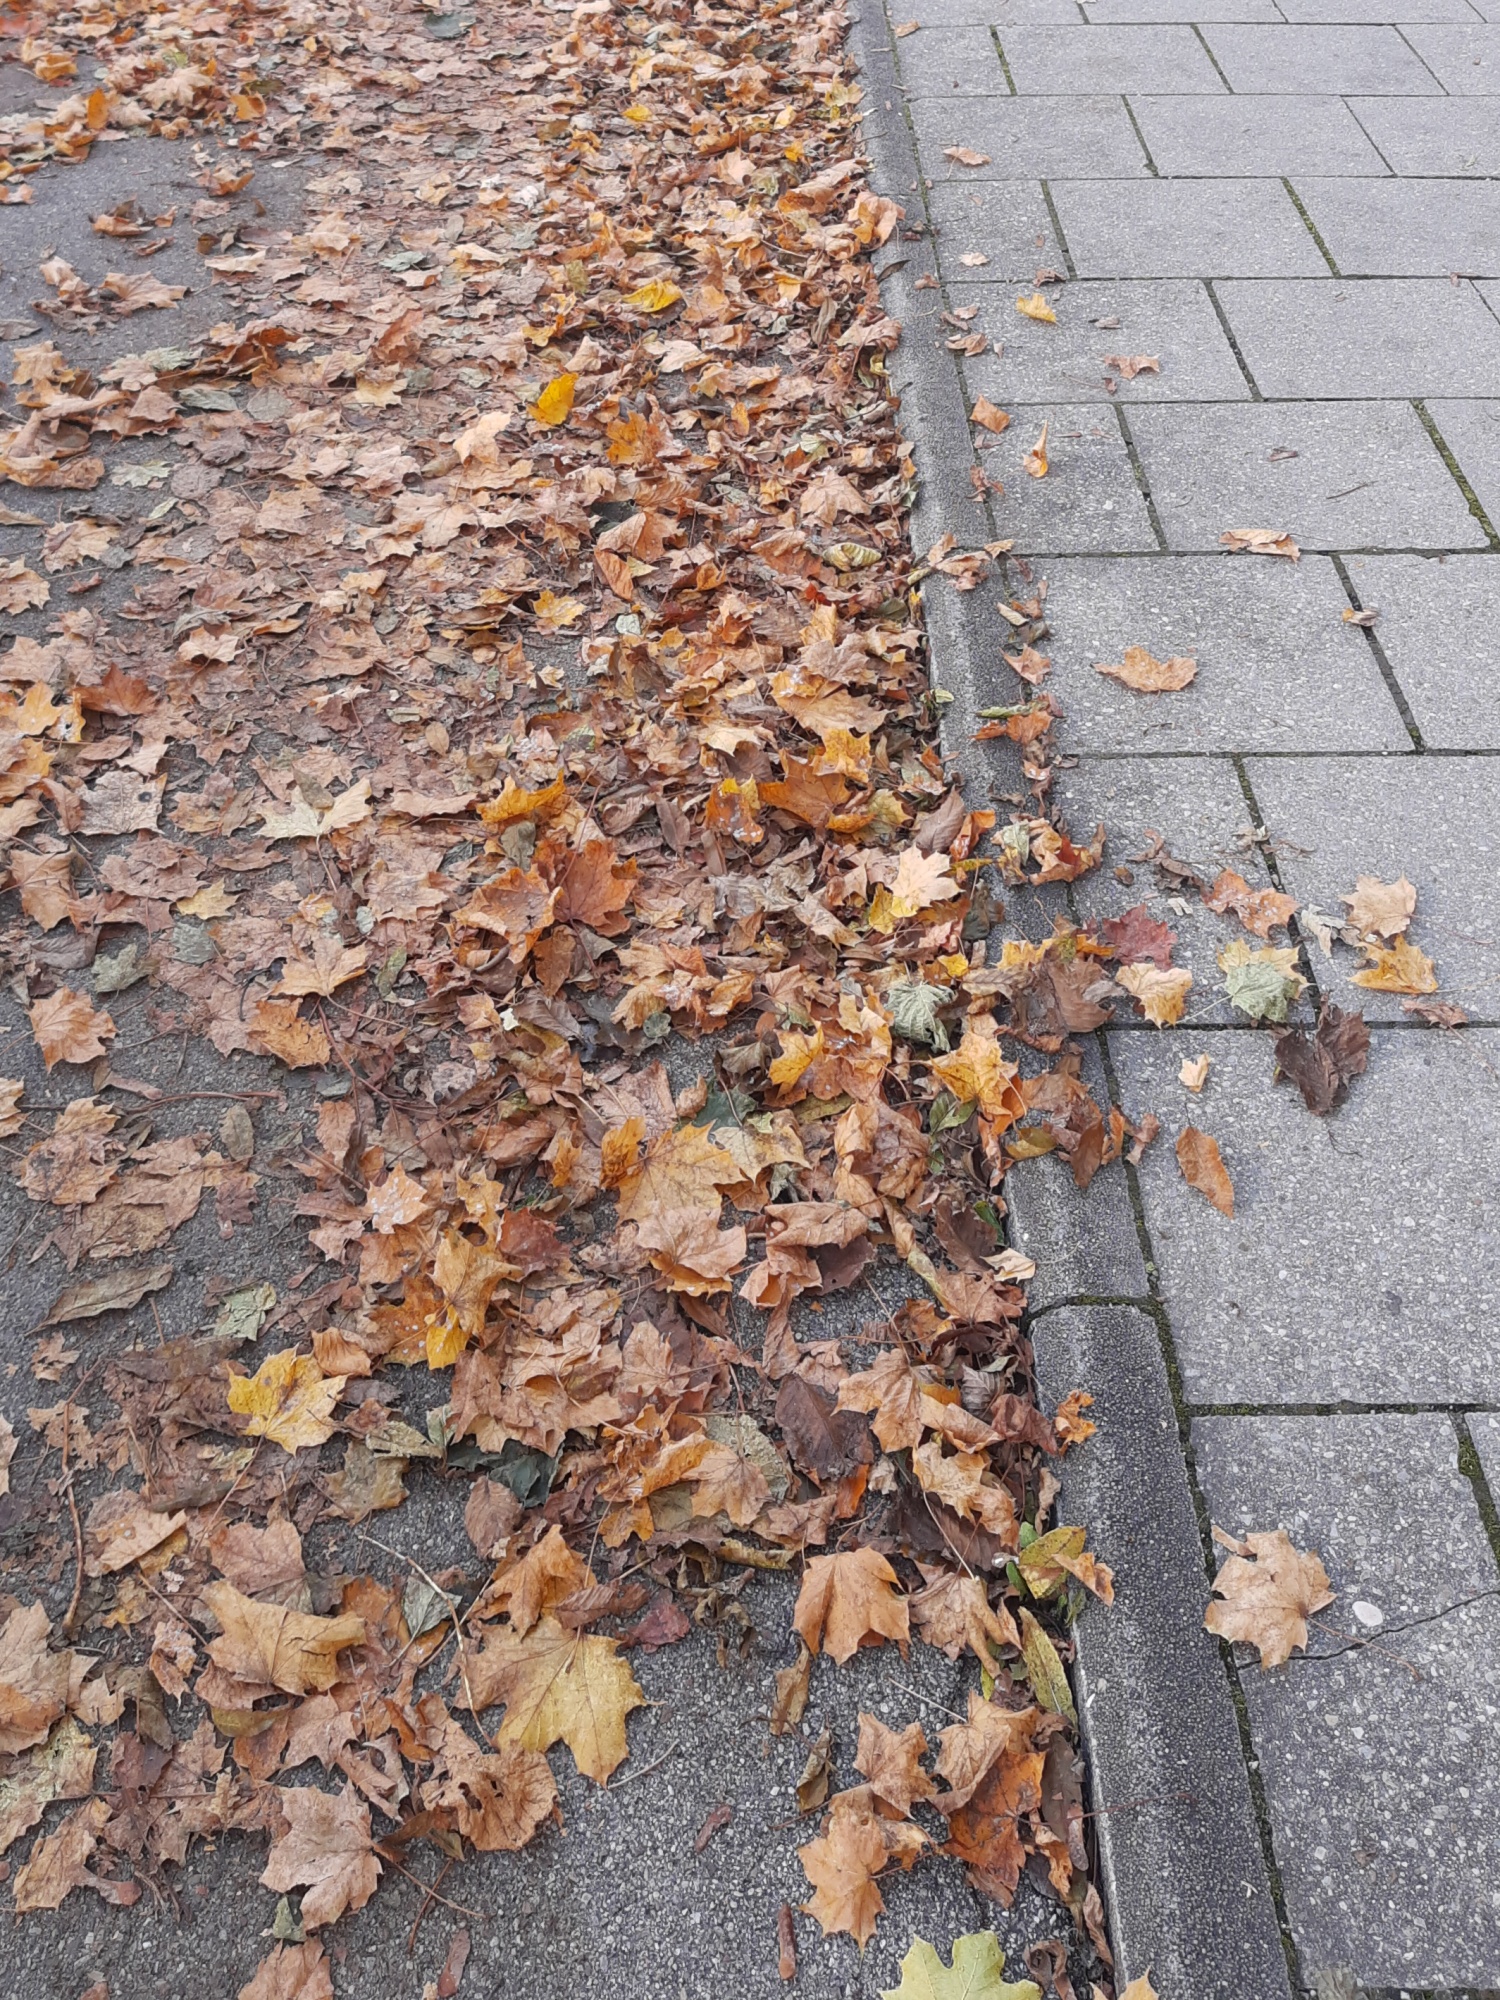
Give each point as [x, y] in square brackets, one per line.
[518, 723]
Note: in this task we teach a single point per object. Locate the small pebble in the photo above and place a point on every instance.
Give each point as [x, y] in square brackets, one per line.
[1369, 1615]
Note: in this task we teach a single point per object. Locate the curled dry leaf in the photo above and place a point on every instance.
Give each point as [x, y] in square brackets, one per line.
[1035, 462]
[1139, 670]
[1161, 996]
[1381, 909]
[848, 1601]
[1128, 366]
[1203, 1168]
[1192, 1072]
[1261, 542]
[1035, 306]
[965, 156]
[988, 417]
[1260, 910]
[1264, 1594]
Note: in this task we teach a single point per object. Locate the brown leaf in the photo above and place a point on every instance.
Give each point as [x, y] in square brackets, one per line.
[965, 156]
[272, 1646]
[848, 1601]
[789, 1703]
[68, 1028]
[1131, 365]
[1203, 1168]
[856, 1844]
[33, 1680]
[953, 1611]
[985, 414]
[1396, 968]
[891, 1761]
[1381, 909]
[1139, 670]
[325, 1849]
[1161, 996]
[1259, 910]
[822, 1440]
[558, 1687]
[1261, 542]
[291, 1972]
[1322, 1064]
[1264, 1594]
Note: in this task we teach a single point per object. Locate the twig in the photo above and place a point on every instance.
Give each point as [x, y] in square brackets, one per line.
[76, 1598]
[479, 1916]
[617, 1784]
[426, 1905]
[458, 1632]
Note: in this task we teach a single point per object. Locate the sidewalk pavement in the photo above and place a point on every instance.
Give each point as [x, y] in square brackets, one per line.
[1289, 205]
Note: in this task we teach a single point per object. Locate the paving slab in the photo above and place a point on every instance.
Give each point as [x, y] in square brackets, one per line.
[1029, 138]
[1257, 60]
[1079, 58]
[1359, 1265]
[1333, 337]
[1254, 135]
[1089, 500]
[936, 63]
[1199, 810]
[1179, 1848]
[1107, 12]
[1278, 669]
[1365, 475]
[1465, 60]
[1431, 818]
[1439, 628]
[1484, 1429]
[1471, 430]
[1185, 229]
[983, 13]
[1173, 319]
[1397, 12]
[1438, 135]
[1006, 221]
[1400, 229]
[1381, 1763]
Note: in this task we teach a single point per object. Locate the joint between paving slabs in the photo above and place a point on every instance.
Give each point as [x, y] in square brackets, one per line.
[1010, 82]
[1373, 141]
[1387, 671]
[1311, 227]
[1421, 58]
[1203, 43]
[1265, 848]
[1141, 480]
[1151, 166]
[1445, 451]
[1472, 1467]
[1155, 1309]
[1234, 345]
[1058, 231]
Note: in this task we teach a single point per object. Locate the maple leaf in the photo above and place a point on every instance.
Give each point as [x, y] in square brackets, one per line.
[891, 1762]
[1130, 365]
[1261, 982]
[1069, 1422]
[273, 1646]
[325, 1849]
[1259, 910]
[58, 1863]
[1396, 968]
[977, 1073]
[11, 1119]
[291, 1972]
[306, 822]
[1381, 909]
[856, 1844]
[558, 1686]
[331, 965]
[1035, 306]
[693, 1255]
[959, 1482]
[496, 1800]
[517, 905]
[1261, 542]
[120, 1529]
[1264, 1594]
[953, 1611]
[21, 589]
[682, 1169]
[1138, 935]
[555, 402]
[848, 1601]
[277, 1028]
[288, 1400]
[1139, 670]
[892, 1393]
[33, 1680]
[68, 1028]
[538, 1581]
[60, 1768]
[965, 156]
[1203, 1168]
[1161, 996]
[1322, 1064]
[976, 1973]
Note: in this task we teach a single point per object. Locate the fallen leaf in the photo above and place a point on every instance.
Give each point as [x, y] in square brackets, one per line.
[291, 1972]
[68, 1028]
[1146, 675]
[558, 1686]
[848, 1601]
[274, 1646]
[326, 1850]
[116, 1291]
[1035, 461]
[1261, 981]
[985, 414]
[789, 1703]
[1261, 542]
[976, 1973]
[905, 28]
[1128, 366]
[21, 589]
[1396, 968]
[1193, 1071]
[1203, 1168]
[1160, 995]
[965, 156]
[555, 402]
[1264, 1594]
[890, 1761]
[1036, 307]
[33, 1679]
[842, 1864]
[1322, 1064]
[1381, 909]
[1260, 910]
[288, 1400]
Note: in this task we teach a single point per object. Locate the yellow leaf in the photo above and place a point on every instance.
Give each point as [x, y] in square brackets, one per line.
[446, 1340]
[556, 400]
[558, 1686]
[1036, 462]
[654, 297]
[1036, 307]
[272, 1644]
[215, 901]
[1160, 995]
[1397, 968]
[288, 1400]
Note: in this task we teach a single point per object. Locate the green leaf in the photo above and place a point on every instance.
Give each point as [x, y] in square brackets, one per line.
[913, 1007]
[1261, 983]
[947, 1111]
[286, 1925]
[1044, 1669]
[975, 1974]
[423, 1607]
[243, 1313]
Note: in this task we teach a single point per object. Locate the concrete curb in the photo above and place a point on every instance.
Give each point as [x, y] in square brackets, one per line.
[1185, 1876]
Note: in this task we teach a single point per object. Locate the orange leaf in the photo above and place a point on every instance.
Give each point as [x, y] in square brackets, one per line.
[1203, 1168]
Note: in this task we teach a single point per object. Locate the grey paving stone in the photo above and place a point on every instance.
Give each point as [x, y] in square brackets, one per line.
[1055, 60]
[1196, 805]
[1186, 229]
[1362, 1263]
[1029, 138]
[1331, 337]
[1440, 629]
[1282, 60]
[1381, 1763]
[1107, 12]
[1088, 502]
[1471, 431]
[1430, 818]
[938, 63]
[1277, 667]
[1465, 60]
[1255, 135]
[1366, 475]
[1183, 1869]
[1439, 135]
[984, 13]
[1379, 12]
[1171, 318]
[1399, 229]
[1006, 221]
[1484, 1428]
